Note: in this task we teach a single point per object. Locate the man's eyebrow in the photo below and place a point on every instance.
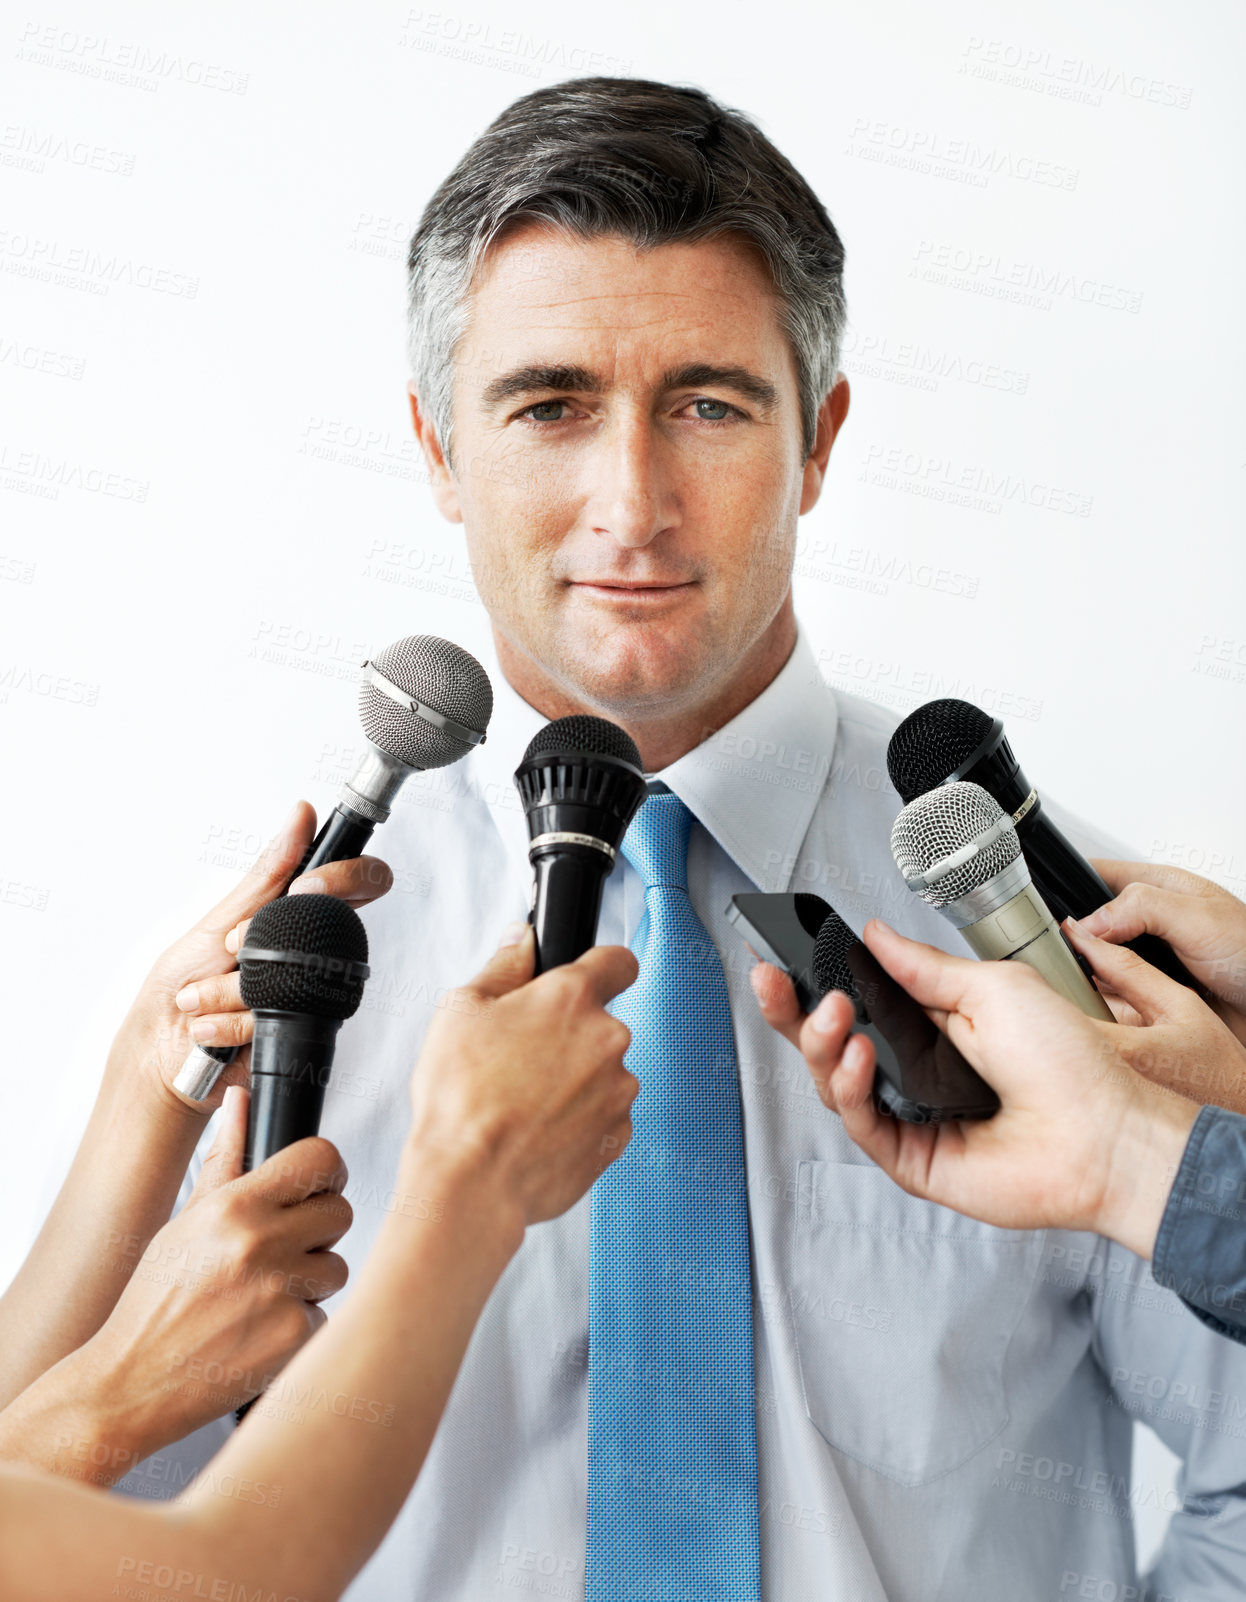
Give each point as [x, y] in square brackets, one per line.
[692, 375]
[527, 380]
[705, 375]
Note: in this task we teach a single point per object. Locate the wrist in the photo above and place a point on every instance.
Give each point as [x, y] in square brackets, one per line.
[78, 1420]
[455, 1187]
[1146, 1153]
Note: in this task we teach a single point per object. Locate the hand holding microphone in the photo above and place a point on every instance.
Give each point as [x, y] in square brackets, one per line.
[958, 849]
[424, 702]
[1199, 920]
[947, 741]
[581, 783]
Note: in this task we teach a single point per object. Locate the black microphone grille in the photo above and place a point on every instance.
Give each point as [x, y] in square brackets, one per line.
[932, 742]
[324, 938]
[592, 736]
[440, 675]
[830, 956]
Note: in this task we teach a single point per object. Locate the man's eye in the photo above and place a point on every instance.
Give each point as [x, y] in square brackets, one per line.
[545, 411]
[712, 411]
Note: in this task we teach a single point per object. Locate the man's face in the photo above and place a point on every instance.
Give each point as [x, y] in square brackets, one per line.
[627, 462]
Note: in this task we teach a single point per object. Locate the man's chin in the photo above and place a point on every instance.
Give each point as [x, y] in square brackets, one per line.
[636, 665]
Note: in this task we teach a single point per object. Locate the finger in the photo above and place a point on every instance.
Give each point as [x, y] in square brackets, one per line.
[851, 1081]
[1173, 915]
[222, 1029]
[776, 996]
[323, 1275]
[357, 881]
[293, 1174]
[320, 1221]
[269, 875]
[220, 994]
[878, 1137]
[823, 1036]
[510, 966]
[609, 970]
[1162, 875]
[223, 1162]
[928, 974]
[1152, 995]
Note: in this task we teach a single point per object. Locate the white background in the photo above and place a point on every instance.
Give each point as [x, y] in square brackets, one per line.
[212, 509]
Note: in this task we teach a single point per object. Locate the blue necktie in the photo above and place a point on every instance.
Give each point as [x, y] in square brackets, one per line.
[672, 1432]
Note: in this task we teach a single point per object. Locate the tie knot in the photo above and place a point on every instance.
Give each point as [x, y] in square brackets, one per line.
[656, 842]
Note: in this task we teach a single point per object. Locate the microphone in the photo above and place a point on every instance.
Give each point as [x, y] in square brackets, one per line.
[949, 740]
[920, 1076]
[958, 849]
[581, 783]
[424, 702]
[303, 968]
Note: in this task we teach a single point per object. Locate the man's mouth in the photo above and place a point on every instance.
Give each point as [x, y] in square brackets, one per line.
[634, 591]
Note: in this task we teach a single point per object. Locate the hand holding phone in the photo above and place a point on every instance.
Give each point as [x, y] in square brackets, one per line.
[920, 1076]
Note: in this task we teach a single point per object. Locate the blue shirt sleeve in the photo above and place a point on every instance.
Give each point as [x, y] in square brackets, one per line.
[1200, 1251]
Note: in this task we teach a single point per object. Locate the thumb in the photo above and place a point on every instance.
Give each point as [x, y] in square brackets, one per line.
[224, 1159]
[1152, 995]
[511, 965]
[930, 976]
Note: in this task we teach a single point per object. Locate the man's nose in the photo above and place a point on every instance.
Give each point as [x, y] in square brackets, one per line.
[632, 499]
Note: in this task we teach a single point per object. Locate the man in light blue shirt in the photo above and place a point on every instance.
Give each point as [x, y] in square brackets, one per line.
[626, 311]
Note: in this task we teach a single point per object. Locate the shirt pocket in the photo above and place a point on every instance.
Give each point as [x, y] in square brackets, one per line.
[902, 1314]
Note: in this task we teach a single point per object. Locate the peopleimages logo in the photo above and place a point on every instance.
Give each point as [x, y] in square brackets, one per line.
[126, 62]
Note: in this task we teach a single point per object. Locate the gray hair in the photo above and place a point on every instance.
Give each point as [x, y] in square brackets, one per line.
[652, 162]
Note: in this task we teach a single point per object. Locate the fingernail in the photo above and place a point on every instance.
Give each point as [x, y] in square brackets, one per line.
[513, 934]
[187, 999]
[202, 1031]
[310, 885]
[231, 941]
[1098, 922]
[754, 978]
[823, 1019]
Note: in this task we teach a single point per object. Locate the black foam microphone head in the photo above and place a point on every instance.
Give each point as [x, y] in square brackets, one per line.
[933, 742]
[323, 963]
[588, 735]
[581, 775]
[830, 957]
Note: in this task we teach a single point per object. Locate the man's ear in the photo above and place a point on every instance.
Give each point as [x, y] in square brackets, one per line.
[441, 479]
[831, 414]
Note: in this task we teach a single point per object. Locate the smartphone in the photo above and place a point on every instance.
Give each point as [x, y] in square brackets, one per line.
[920, 1076]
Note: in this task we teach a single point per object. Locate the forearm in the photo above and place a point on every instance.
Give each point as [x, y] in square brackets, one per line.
[343, 1432]
[119, 1190]
[76, 1421]
[336, 1443]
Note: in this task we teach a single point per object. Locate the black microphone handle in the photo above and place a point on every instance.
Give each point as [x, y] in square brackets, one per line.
[291, 1056]
[343, 835]
[1072, 889]
[569, 881]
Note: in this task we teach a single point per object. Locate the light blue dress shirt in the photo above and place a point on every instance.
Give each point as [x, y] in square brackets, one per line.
[945, 1410]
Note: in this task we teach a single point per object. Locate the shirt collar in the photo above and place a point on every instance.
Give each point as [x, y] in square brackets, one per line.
[753, 784]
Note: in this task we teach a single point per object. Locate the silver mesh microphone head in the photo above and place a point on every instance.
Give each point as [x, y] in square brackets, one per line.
[441, 676]
[951, 840]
